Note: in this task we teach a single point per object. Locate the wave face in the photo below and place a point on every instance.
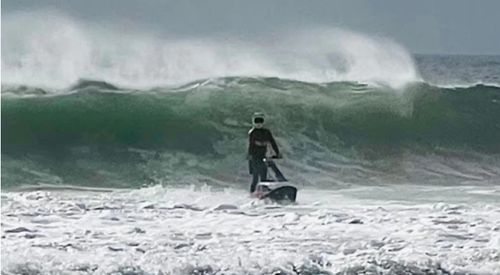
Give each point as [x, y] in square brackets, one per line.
[338, 133]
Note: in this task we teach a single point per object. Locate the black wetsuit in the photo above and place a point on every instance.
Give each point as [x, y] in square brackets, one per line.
[258, 139]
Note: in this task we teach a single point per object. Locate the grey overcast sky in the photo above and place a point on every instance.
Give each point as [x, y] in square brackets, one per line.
[424, 26]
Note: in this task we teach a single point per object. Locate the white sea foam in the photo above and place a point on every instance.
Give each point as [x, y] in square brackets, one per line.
[177, 230]
[49, 49]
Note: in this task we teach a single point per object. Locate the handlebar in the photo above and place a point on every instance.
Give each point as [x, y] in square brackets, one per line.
[272, 158]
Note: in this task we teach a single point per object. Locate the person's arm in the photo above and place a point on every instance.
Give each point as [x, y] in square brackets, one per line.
[273, 144]
[249, 154]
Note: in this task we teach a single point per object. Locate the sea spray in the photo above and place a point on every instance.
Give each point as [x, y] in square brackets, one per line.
[49, 49]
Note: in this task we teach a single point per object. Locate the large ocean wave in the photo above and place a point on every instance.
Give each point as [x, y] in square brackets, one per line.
[346, 108]
[95, 133]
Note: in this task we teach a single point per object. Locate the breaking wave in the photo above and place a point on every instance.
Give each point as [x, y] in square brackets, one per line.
[49, 49]
[96, 133]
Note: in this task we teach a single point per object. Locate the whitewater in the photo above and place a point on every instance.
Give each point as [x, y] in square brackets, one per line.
[125, 153]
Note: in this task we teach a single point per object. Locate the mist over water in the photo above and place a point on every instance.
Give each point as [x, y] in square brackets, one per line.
[52, 50]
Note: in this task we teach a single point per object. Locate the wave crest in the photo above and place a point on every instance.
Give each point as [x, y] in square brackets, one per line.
[50, 49]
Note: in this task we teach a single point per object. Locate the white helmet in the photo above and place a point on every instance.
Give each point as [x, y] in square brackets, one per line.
[258, 118]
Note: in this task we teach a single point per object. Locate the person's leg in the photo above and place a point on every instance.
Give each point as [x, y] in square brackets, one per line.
[255, 176]
[263, 171]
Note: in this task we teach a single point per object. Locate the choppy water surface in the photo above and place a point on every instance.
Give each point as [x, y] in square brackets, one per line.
[369, 230]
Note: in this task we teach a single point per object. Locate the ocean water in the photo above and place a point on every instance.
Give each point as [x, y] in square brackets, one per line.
[126, 155]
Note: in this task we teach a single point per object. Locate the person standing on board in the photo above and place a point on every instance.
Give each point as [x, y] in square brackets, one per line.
[258, 140]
